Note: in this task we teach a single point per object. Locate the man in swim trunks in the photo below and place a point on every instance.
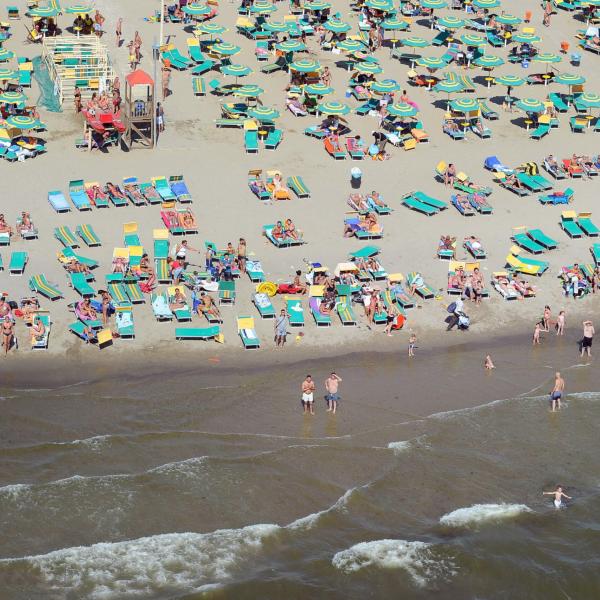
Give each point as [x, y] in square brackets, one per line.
[308, 388]
[558, 496]
[588, 334]
[557, 392]
[332, 397]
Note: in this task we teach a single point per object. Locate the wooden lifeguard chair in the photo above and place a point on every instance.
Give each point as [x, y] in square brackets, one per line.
[139, 110]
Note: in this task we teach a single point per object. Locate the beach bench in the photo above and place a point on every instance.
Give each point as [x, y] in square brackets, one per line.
[197, 333]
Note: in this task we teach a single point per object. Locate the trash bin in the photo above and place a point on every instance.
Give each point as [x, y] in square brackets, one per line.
[355, 178]
[575, 59]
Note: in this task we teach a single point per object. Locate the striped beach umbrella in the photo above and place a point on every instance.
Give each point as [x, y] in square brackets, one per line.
[394, 24]
[402, 109]
[464, 105]
[44, 11]
[6, 55]
[12, 97]
[305, 65]
[337, 26]
[486, 3]
[276, 26]
[526, 38]
[368, 68]
[225, 48]
[488, 61]
[547, 57]
[211, 28]
[248, 91]
[431, 62]
[317, 89]
[381, 5]
[472, 39]
[197, 10]
[507, 19]
[79, 9]
[290, 46]
[569, 79]
[6, 74]
[415, 42]
[262, 7]
[333, 108]
[351, 46]
[451, 22]
[317, 5]
[510, 80]
[236, 70]
[433, 4]
[449, 87]
[387, 86]
[530, 105]
[590, 100]
[23, 122]
[263, 113]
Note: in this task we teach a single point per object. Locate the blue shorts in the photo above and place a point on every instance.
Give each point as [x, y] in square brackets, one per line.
[332, 398]
[556, 396]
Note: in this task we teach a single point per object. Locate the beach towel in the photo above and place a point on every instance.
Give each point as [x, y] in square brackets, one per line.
[124, 319]
[160, 307]
[262, 300]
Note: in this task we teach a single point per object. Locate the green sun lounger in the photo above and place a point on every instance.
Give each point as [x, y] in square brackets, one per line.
[39, 284]
[227, 293]
[88, 235]
[66, 237]
[538, 236]
[124, 322]
[78, 196]
[345, 312]
[181, 314]
[423, 289]
[149, 192]
[42, 343]
[5, 238]
[525, 242]
[161, 249]
[70, 254]
[295, 312]
[118, 294]
[540, 131]
[247, 332]
[529, 182]
[321, 320]
[251, 141]
[578, 125]
[571, 227]
[17, 263]
[134, 292]
[197, 333]
[587, 225]
[80, 284]
[199, 86]
[595, 250]
[264, 306]
[255, 271]
[163, 274]
[164, 189]
[413, 204]
[429, 200]
[559, 104]
[297, 185]
[116, 200]
[366, 252]
[78, 328]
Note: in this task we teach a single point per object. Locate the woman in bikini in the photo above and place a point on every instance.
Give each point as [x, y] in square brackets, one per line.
[4, 226]
[7, 334]
[290, 230]
[241, 254]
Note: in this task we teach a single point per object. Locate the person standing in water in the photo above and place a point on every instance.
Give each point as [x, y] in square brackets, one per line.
[557, 392]
[332, 397]
[588, 335]
[308, 387]
[488, 364]
[558, 496]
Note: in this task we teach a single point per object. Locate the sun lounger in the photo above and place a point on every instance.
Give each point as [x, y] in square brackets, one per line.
[455, 134]
[88, 235]
[295, 312]
[69, 254]
[161, 243]
[161, 185]
[356, 152]
[280, 243]
[78, 196]
[587, 225]
[199, 85]
[133, 192]
[170, 216]
[557, 171]
[197, 333]
[79, 329]
[559, 104]
[422, 289]
[26, 234]
[179, 188]
[538, 236]
[80, 284]
[117, 201]
[66, 237]
[42, 341]
[530, 182]
[273, 139]
[5, 238]
[134, 292]
[540, 131]
[410, 202]
[183, 313]
[255, 271]
[578, 124]
[124, 322]
[58, 201]
[321, 319]
[160, 307]
[477, 252]
[297, 185]
[568, 222]
[227, 293]
[336, 153]
[429, 200]
[523, 240]
[558, 197]
[150, 193]
[251, 141]
[263, 304]
[247, 333]
[18, 261]
[39, 284]
[119, 295]
[345, 312]
[466, 210]
[528, 266]
[506, 291]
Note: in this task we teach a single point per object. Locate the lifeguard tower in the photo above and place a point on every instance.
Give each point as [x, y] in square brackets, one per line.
[139, 110]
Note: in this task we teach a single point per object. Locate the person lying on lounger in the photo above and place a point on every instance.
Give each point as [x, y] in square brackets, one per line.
[334, 138]
[447, 242]
[278, 233]
[373, 264]
[4, 226]
[131, 189]
[207, 305]
[186, 219]
[463, 202]
[450, 125]
[37, 330]
[115, 191]
[321, 278]
[177, 300]
[145, 265]
[520, 285]
[418, 282]
[296, 107]
[86, 311]
[375, 198]
[28, 307]
[119, 265]
[74, 266]
[369, 223]
[280, 190]
[26, 224]
[456, 281]
[513, 181]
[357, 202]
[291, 232]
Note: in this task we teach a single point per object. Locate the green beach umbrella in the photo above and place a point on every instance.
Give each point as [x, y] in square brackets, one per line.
[317, 5]
[79, 9]
[387, 86]
[401, 109]
[6, 55]
[433, 4]
[44, 11]
[547, 57]
[225, 48]
[589, 100]
[337, 26]
[488, 61]
[415, 42]
[305, 65]
[486, 3]
[276, 26]
[431, 62]
[510, 80]
[248, 91]
[262, 7]
[451, 22]
[526, 38]
[472, 39]
[507, 19]
[196, 10]
[569, 79]
[290, 46]
[263, 113]
[23, 122]
[211, 28]
[317, 89]
[6, 74]
[351, 46]
[381, 5]
[464, 105]
[530, 105]
[449, 87]
[12, 97]
[236, 70]
[394, 24]
[368, 68]
[333, 108]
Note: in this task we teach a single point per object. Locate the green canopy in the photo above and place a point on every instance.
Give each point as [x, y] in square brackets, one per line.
[317, 89]
[337, 26]
[262, 7]
[276, 26]
[6, 74]
[333, 108]
[211, 28]
[507, 19]
[569, 79]
[6, 55]
[433, 4]
[486, 3]
[415, 42]
[547, 57]
[369, 68]
[472, 39]
[488, 61]
[197, 10]
[464, 105]
[431, 62]
[263, 113]
[248, 91]
[12, 97]
[381, 5]
[79, 9]
[236, 70]
[530, 105]
[23, 122]
[387, 86]
[317, 5]
[449, 87]
[510, 80]
[394, 24]
[526, 38]
[401, 109]
[225, 48]
[351, 46]
[589, 100]
[290, 46]
[305, 65]
[451, 22]
[44, 11]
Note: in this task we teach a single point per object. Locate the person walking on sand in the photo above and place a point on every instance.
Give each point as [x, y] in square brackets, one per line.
[557, 392]
[547, 13]
[281, 325]
[331, 386]
[412, 341]
[119, 31]
[166, 79]
[560, 323]
[488, 364]
[536, 333]
[308, 388]
[588, 335]
[558, 496]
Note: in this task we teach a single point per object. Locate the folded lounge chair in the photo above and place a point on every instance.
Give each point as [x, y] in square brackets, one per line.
[410, 202]
[58, 201]
[39, 284]
[197, 333]
[247, 333]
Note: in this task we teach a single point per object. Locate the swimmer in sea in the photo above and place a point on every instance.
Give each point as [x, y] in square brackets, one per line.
[488, 364]
[558, 496]
[557, 392]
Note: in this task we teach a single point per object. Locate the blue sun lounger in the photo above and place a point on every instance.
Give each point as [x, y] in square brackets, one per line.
[179, 188]
[78, 196]
[58, 201]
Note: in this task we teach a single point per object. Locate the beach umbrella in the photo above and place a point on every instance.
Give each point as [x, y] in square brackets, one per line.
[486, 3]
[317, 89]
[381, 5]
[569, 79]
[507, 19]
[236, 70]
[526, 38]
[589, 100]
[6, 55]
[333, 108]
[394, 24]
[530, 105]
[23, 122]
[211, 28]
[290, 46]
[263, 113]
[12, 97]
[248, 91]
[262, 7]
[337, 26]
[79, 9]
[433, 4]
[305, 65]
[276, 26]
[387, 86]
[415, 42]
[488, 61]
[351, 45]
[197, 10]
[402, 109]
[547, 57]
[317, 5]
[225, 48]
[449, 87]
[44, 11]
[432, 62]
[464, 105]
[472, 39]
[368, 68]
[451, 22]
[510, 81]
[6, 74]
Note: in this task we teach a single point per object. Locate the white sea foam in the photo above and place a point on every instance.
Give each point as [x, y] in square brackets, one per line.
[310, 520]
[167, 562]
[399, 447]
[482, 513]
[412, 557]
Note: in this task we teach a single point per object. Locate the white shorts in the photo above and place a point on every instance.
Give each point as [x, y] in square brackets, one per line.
[307, 398]
[557, 503]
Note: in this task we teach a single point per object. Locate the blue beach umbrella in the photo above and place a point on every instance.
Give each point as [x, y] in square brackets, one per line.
[432, 62]
[248, 91]
[394, 24]
[569, 79]
[526, 38]
[79, 9]
[486, 3]
[211, 28]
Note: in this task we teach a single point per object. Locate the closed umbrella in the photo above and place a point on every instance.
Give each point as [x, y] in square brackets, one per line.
[305, 65]
[317, 89]
[387, 86]
[333, 108]
[23, 122]
[337, 26]
[402, 109]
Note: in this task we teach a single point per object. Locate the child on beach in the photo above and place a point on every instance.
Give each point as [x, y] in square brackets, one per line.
[560, 323]
[558, 496]
[412, 340]
[488, 364]
[536, 333]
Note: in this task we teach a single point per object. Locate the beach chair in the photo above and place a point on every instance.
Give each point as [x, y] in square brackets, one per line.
[314, 302]
[255, 271]
[429, 200]
[519, 191]
[422, 288]
[117, 291]
[181, 314]
[539, 237]
[149, 192]
[179, 188]
[355, 151]
[78, 196]
[523, 240]
[197, 333]
[464, 210]
[540, 131]
[273, 139]
[69, 254]
[132, 190]
[227, 292]
[558, 197]
[124, 322]
[5, 238]
[134, 292]
[263, 304]
[573, 169]
[477, 252]
[586, 224]
[161, 185]
[18, 261]
[297, 185]
[161, 243]
[280, 243]
[79, 329]
[525, 265]
[160, 307]
[578, 124]
[42, 342]
[95, 194]
[88, 235]
[595, 250]
[399, 294]
[257, 185]
[336, 153]
[117, 201]
[66, 237]
[130, 234]
[345, 312]
[247, 333]
[569, 224]
[557, 101]
[58, 201]
[80, 284]
[26, 234]
[40, 285]
[295, 312]
[410, 202]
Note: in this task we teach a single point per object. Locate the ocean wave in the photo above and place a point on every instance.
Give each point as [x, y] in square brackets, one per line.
[310, 521]
[482, 513]
[165, 562]
[413, 557]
